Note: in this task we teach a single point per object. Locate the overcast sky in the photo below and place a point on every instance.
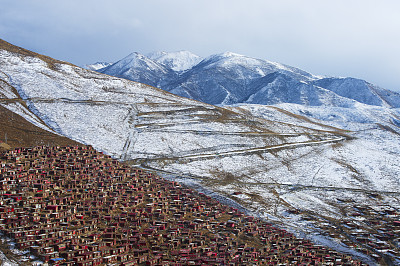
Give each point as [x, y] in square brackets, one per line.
[357, 38]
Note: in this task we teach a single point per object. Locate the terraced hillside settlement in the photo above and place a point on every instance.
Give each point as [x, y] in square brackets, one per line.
[76, 206]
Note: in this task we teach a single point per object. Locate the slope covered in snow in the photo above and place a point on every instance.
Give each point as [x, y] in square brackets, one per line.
[289, 163]
[131, 120]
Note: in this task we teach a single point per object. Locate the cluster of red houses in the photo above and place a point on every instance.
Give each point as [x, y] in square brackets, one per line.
[372, 230]
[76, 206]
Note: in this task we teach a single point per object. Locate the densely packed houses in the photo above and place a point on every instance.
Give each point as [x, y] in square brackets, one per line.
[372, 230]
[77, 206]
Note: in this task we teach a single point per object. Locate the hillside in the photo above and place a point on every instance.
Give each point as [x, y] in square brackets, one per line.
[123, 118]
[278, 162]
[17, 122]
[94, 210]
[15, 131]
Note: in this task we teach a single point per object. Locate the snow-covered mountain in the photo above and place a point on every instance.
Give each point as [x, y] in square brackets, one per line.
[138, 67]
[98, 65]
[230, 78]
[177, 61]
[226, 78]
[304, 167]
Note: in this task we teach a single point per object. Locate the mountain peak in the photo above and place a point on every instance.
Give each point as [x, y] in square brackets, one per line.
[134, 55]
[224, 56]
[138, 67]
[135, 59]
[177, 61]
[158, 54]
[231, 78]
[97, 66]
[230, 54]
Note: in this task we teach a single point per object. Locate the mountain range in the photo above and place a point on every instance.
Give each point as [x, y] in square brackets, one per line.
[230, 78]
[307, 166]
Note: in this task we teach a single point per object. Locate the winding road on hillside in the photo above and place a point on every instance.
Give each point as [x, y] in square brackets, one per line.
[245, 151]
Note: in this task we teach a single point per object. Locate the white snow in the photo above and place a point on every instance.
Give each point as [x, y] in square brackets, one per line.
[306, 156]
[97, 66]
[178, 61]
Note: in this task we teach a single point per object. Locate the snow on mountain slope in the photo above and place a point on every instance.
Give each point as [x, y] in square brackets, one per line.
[10, 99]
[97, 66]
[280, 158]
[230, 78]
[130, 120]
[360, 91]
[139, 68]
[276, 88]
[225, 78]
[370, 158]
[177, 61]
[309, 188]
[255, 67]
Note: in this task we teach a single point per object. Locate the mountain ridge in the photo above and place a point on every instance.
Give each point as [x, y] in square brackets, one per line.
[230, 78]
[177, 61]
